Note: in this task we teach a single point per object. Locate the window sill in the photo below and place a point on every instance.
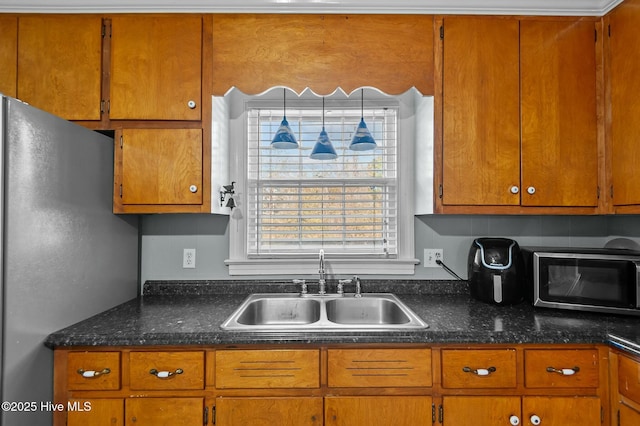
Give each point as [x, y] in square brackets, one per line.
[310, 266]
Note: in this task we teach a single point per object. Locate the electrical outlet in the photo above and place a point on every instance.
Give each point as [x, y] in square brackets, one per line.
[189, 258]
[430, 257]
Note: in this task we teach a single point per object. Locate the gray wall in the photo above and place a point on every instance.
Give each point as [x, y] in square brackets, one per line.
[165, 236]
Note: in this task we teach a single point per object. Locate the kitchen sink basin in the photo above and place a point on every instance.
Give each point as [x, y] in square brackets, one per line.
[280, 311]
[290, 312]
[366, 310]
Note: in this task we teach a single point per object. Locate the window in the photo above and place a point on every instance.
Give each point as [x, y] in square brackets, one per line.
[358, 208]
[346, 206]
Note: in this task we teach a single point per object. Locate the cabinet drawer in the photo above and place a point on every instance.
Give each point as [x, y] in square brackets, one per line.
[478, 368]
[564, 368]
[263, 369]
[166, 370]
[93, 370]
[629, 378]
[379, 367]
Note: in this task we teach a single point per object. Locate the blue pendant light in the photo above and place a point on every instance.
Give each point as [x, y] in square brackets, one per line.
[323, 149]
[284, 137]
[362, 139]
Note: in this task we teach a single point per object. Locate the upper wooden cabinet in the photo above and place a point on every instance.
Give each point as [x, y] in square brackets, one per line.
[624, 68]
[481, 112]
[158, 170]
[60, 64]
[156, 68]
[519, 115]
[559, 142]
[8, 54]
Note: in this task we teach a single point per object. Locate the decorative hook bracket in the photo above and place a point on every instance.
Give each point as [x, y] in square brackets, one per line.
[228, 190]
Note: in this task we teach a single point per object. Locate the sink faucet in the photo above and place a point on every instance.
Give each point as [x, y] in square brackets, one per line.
[322, 281]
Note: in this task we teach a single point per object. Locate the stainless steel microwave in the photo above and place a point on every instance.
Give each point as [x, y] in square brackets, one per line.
[597, 280]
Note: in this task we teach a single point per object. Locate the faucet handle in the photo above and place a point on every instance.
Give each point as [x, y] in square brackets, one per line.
[341, 284]
[303, 284]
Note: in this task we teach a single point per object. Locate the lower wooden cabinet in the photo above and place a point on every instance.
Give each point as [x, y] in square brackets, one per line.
[627, 416]
[343, 384]
[265, 411]
[625, 388]
[515, 410]
[378, 410]
[96, 412]
[164, 411]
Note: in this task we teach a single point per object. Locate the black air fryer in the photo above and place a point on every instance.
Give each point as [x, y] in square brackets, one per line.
[496, 271]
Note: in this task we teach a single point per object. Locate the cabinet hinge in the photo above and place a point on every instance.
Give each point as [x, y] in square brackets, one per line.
[441, 414]
[609, 30]
[598, 193]
[120, 190]
[596, 34]
[611, 192]
[440, 191]
[441, 32]
[618, 418]
[120, 141]
[433, 413]
[601, 415]
[213, 414]
[106, 29]
[205, 420]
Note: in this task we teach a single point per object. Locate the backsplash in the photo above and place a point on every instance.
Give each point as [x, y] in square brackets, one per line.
[165, 236]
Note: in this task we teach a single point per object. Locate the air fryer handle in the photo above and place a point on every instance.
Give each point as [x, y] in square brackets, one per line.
[497, 288]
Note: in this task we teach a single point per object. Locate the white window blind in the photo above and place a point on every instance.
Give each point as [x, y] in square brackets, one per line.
[296, 205]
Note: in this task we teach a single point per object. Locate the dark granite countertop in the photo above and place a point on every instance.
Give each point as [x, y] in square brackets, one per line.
[190, 313]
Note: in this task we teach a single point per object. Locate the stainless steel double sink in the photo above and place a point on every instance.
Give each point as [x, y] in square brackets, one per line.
[277, 312]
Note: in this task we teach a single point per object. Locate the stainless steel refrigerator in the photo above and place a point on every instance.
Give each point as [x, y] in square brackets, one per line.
[65, 256]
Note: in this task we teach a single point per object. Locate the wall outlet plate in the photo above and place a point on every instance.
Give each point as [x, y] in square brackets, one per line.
[189, 258]
[430, 257]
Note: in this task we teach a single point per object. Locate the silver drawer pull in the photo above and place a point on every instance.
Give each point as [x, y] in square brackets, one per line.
[165, 374]
[563, 371]
[479, 371]
[93, 373]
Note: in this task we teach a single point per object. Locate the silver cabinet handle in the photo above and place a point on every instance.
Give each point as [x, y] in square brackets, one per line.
[531, 190]
[563, 371]
[535, 420]
[193, 189]
[479, 371]
[514, 420]
[514, 189]
[93, 373]
[165, 374]
[191, 104]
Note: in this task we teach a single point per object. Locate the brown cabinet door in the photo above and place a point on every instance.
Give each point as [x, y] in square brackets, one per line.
[164, 411]
[156, 68]
[480, 410]
[559, 135]
[629, 416]
[60, 64]
[481, 112]
[161, 166]
[8, 54]
[95, 412]
[561, 411]
[378, 411]
[625, 108]
[269, 411]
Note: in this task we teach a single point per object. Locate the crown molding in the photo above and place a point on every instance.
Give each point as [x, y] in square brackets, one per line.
[436, 7]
